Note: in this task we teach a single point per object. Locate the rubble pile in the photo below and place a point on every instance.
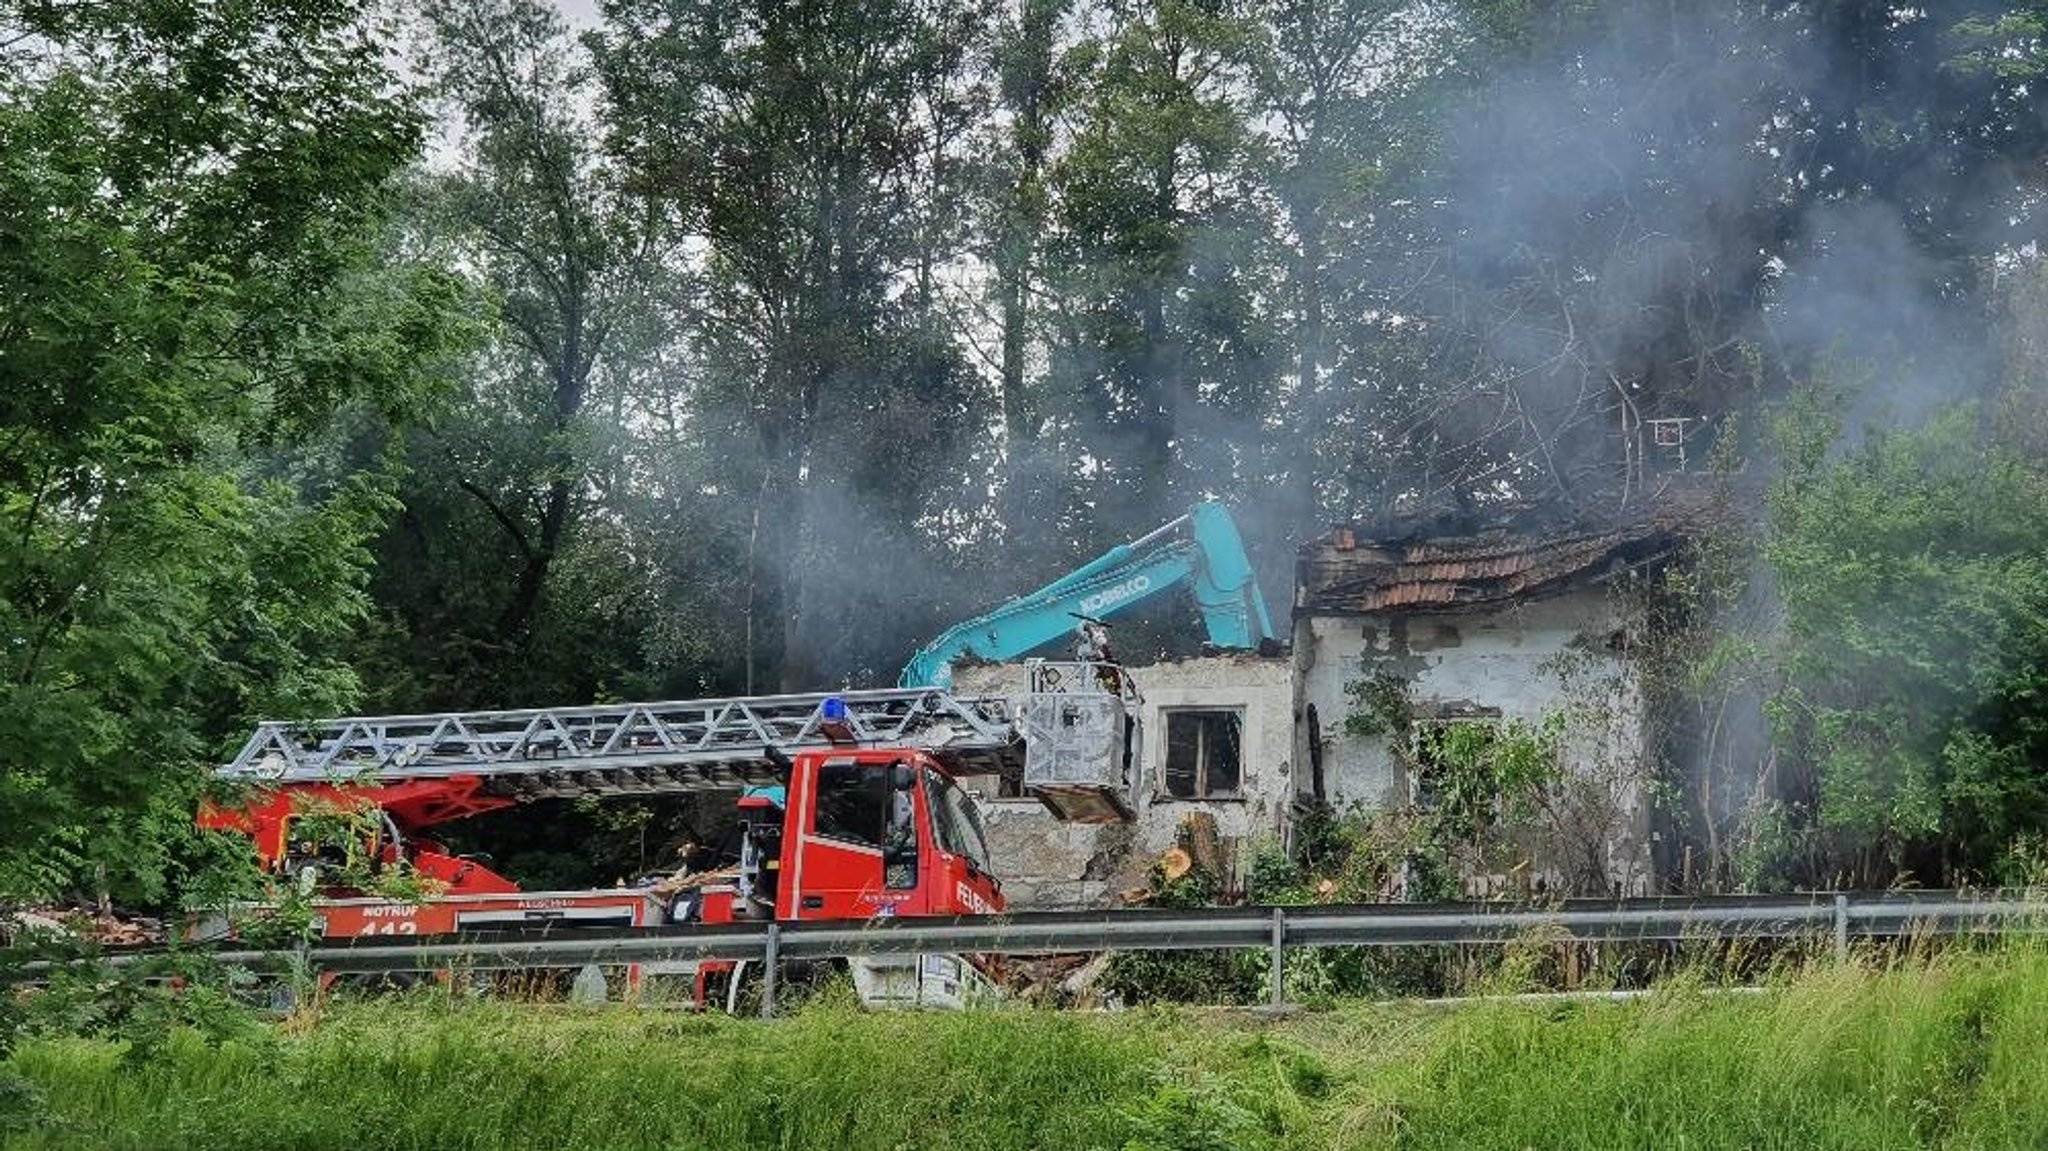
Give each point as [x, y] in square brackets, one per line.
[99, 927]
[1063, 980]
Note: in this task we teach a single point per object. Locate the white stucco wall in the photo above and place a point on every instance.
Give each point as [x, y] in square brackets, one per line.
[1524, 662]
[1046, 863]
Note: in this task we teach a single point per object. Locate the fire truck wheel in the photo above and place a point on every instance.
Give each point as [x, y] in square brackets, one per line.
[798, 983]
[283, 998]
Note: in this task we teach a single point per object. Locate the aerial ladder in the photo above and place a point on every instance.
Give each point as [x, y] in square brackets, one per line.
[420, 771]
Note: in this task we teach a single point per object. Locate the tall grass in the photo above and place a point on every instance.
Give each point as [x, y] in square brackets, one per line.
[1946, 1052]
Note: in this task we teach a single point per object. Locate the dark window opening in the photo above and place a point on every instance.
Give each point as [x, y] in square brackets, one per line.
[1204, 754]
[1440, 745]
[853, 803]
[1315, 754]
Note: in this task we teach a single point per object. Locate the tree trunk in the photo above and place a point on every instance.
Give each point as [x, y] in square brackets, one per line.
[1023, 215]
[1311, 339]
[1158, 387]
[571, 375]
[517, 622]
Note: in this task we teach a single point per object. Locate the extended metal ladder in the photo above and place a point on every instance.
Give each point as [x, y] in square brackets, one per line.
[632, 748]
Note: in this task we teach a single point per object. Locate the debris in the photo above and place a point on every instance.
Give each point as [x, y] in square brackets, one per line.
[691, 881]
[1174, 863]
[1037, 978]
[28, 923]
[1083, 978]
[104, 928]
[1067, 980]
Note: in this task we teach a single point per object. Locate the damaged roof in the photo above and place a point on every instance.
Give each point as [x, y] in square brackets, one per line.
[1345, 573]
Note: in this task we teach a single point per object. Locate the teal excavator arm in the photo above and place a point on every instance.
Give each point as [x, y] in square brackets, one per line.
[1201, 549]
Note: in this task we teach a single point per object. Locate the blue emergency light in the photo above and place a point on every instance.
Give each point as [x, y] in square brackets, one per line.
[833, 720]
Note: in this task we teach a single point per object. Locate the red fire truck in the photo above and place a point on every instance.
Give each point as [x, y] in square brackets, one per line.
[850, 806]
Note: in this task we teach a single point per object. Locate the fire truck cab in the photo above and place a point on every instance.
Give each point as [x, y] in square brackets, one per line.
[855, 835]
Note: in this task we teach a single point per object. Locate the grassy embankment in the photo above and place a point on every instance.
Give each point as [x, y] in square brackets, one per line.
[1948, 1053]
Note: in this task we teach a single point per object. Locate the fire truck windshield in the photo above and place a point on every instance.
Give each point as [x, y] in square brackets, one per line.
[956, 820]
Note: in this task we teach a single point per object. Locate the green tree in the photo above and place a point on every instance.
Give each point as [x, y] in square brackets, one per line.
[1608, 213]
[1329, 81]
[502, 582]
[1030, 90]
[813, 154]
[202, 335]
[1914, 572]
[1163, 345]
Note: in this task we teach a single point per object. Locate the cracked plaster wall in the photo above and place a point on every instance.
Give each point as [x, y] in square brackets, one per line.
[1046, 863]
[1522, 662]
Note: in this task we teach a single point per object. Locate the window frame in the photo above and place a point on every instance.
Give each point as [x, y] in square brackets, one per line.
[866, 772]
[1202, 792]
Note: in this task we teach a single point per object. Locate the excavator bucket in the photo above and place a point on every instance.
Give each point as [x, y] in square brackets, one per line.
[1081, 740]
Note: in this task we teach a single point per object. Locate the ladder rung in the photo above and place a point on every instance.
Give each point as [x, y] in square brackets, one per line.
[635, 748]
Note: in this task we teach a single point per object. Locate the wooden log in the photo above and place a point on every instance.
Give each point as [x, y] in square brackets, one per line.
[1204, 843]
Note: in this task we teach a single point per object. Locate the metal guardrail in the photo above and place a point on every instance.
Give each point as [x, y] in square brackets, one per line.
[1276, 929]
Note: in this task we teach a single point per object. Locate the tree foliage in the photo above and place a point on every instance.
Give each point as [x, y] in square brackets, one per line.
[200, 329]
[817, 153]
[505, 579]
[1914, 570]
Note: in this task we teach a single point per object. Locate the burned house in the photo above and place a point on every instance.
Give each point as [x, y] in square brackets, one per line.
[1433, 669]
[1408, 652]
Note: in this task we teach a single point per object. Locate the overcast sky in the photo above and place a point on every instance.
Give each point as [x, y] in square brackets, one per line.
[580, 13]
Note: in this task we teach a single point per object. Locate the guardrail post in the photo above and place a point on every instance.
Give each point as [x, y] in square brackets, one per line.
[305, 984]
[1841, 929]
[1279, 957]
[770, 960]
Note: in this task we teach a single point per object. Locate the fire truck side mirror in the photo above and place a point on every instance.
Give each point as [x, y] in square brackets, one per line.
[902, 776]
